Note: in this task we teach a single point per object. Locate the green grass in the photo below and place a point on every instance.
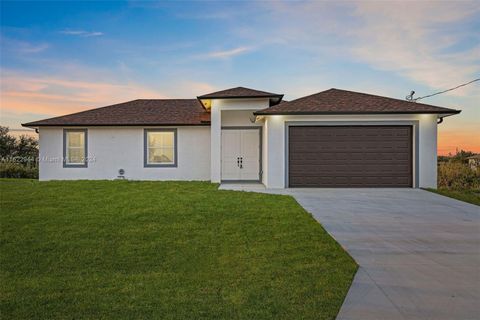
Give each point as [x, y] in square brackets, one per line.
[170, 250]
[470, 196]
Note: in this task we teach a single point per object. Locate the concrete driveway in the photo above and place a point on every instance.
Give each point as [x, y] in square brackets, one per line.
[419, 252]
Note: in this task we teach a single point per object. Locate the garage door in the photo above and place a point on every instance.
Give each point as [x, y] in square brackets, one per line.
[350, 156]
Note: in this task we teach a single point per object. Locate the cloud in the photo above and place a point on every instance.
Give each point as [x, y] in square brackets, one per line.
[217, 15]
[29, 48]
[224, 54]
[55, 95]
[415, 44]
[426, 42]
[22, 47]
[188, 89]
[27, 96]
[82, 33]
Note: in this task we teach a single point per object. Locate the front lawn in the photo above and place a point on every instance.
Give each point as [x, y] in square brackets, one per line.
[170, 250]
[471, 196]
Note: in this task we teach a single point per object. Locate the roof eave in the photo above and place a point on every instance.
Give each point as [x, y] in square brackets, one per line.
[271, 113]
[33, 125]
[448, 114]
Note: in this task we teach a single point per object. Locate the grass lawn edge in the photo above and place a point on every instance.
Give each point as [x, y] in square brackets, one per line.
[468, 196]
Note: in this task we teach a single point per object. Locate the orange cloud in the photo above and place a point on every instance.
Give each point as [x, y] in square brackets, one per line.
[23, 96]
[449, 142]
[55, 96]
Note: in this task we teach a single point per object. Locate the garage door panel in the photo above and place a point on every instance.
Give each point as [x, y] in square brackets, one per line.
[349, 182]
[332, 164]
[349, 145]
[350, 156]
[320, 174]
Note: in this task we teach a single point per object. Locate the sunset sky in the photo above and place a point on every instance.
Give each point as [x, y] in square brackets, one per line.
[62, 57]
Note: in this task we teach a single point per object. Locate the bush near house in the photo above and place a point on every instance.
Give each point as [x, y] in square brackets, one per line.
[457, 175]
[18, 156]
[456, 179]
[18, 170]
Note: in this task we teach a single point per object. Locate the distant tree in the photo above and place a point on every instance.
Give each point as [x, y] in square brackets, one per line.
[7, 143]
[462, 155]
[25, 146]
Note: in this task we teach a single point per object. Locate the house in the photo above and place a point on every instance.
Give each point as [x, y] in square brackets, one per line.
[474, 161]
[335, 138]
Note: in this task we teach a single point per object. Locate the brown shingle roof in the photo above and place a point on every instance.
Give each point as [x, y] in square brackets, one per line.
[335, 101]
[142, 112]
[240, 92]
[162, 112]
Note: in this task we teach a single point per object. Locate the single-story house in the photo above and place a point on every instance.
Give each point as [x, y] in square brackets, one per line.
[334, 138]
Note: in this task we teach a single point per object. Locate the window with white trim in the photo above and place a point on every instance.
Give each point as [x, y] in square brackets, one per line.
[160, 147]
[75, 147]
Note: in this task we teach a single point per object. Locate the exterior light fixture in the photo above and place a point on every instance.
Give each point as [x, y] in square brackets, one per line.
[121, 173]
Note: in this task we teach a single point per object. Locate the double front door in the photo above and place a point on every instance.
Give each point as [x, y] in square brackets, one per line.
[240, 154]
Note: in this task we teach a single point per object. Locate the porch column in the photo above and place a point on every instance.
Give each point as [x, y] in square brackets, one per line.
[215, 140]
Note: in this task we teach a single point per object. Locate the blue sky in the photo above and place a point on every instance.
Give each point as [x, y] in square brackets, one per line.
[63, 57]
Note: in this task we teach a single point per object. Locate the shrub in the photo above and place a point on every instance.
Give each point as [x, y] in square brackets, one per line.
[18, 170]
[457, 175]
[18, 156]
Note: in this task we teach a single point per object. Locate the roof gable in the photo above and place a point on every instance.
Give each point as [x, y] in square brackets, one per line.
[336, 101]
[239, 92]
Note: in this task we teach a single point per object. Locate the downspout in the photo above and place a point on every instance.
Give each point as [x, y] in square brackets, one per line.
[439, 120]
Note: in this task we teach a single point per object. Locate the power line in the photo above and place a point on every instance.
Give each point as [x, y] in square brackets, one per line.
[412, 99]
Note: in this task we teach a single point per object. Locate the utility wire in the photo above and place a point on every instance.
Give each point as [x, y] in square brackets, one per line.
[410, 97]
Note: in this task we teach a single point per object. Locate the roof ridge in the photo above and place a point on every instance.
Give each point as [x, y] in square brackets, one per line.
[337, 101]
[238, 92]
[313, 94]
[367, 94]
[385, 97]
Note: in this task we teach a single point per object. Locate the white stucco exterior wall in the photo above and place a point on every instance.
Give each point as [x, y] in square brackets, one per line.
[199, 148]
[229, 112]
[428, 150]
[238, 118]
[427, 144]
[115, 148]
[215, 144]
[265, 156]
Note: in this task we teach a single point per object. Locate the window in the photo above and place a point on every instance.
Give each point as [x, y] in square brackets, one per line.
[160, 148]
[75, 148]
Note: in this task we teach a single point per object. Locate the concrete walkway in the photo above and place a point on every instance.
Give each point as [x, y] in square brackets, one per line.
[419, 252]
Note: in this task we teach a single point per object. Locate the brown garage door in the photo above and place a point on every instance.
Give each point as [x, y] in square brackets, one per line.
[350, 156]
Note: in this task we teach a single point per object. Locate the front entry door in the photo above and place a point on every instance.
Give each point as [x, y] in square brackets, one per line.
[241, 154]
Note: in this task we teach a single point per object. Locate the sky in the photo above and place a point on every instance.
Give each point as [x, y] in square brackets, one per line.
[58, 58]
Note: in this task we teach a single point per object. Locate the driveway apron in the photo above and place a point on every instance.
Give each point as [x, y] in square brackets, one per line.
[419, 252]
